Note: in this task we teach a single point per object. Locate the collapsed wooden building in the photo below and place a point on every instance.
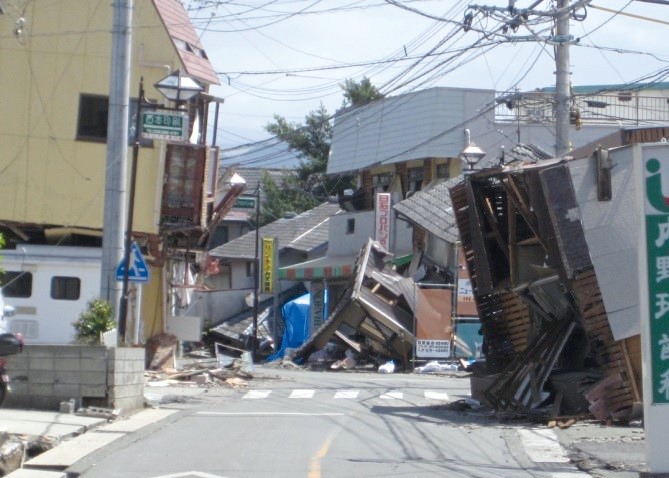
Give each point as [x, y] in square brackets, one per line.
[536, 266]
[377, 304]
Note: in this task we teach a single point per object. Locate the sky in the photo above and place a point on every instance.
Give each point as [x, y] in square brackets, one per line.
[286, 57]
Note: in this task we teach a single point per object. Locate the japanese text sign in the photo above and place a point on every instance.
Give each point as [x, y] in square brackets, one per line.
[267, 278]
[169, 125]
[382, 226]
[656, 209]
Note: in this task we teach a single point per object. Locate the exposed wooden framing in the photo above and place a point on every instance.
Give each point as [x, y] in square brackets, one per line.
[515, 196]
[492, 222]
[630, 371]
[513, 251]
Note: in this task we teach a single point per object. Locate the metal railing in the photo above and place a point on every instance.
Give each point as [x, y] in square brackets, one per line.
[630, 108]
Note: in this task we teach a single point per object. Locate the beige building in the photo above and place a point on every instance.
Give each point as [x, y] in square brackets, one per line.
[54, 86]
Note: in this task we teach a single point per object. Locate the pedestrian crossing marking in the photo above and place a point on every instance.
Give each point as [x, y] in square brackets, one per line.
[254, 394]
[434, 395]
[391, 396]
[347, 394]
[302, 394]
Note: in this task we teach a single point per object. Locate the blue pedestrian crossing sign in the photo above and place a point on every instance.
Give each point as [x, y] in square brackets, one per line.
[139, 272]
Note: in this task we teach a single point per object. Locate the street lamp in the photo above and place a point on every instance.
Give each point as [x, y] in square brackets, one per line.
[472, 154]
[174, 87]
[177, 87]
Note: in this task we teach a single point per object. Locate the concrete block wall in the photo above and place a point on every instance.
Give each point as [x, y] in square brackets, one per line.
[42, 376]
[125, 378]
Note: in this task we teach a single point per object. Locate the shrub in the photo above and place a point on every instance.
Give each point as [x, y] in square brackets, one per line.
[96, 319]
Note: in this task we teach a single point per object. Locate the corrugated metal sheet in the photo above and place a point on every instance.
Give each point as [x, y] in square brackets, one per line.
[610, 231]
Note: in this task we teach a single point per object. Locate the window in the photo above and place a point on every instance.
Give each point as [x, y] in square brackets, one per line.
[220, 237]
[17, 284]
[249, 268]
[350, 226]
[443, 171]
[65, 288]
[381, 182]
[92, 120]
[415, 176]
[184, 178]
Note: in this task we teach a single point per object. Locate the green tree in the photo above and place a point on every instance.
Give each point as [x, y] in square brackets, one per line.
[359, 93]
[311, 140]
[283, 196]
[97, 318]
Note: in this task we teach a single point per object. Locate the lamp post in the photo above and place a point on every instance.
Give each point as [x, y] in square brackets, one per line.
[174, 87]
[177, 87]
[472, 154]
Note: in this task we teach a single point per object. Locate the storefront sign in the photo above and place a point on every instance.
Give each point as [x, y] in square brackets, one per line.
[656, 209]
[268, 274]
[433, 348]
[245, 203]
[383, 229]
[465, 291]
[168, 125]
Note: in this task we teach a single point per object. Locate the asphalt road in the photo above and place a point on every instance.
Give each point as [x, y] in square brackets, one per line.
[317, 424]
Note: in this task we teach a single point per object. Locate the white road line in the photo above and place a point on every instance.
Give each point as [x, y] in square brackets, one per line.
[257, 394]
[347, 394]
[302, 394]
[569, 474]
[269, 414]
[392, 396]
[542, 446]
[434, 395]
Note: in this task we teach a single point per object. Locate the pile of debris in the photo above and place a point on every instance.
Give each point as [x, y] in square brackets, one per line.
[219, 371]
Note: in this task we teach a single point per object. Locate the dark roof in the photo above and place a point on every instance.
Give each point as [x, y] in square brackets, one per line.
[271, 153]
[431, 209]
[527, 152]
[305, 232]
[252, 176]
[185, 40]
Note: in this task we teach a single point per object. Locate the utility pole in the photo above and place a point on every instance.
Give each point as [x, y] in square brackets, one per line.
[256, 281]
[117, 153]
[562, 93]
[561, 14]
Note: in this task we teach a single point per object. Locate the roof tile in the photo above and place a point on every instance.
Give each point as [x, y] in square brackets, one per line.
[180, 29]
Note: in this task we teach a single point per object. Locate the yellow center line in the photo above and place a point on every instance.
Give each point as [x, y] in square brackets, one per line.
[315, 468]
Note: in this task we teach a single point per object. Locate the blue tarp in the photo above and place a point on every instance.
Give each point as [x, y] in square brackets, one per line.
[296, 315]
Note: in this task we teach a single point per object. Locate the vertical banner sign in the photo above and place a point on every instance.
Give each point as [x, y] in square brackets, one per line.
[656, 209]
[267, 282]
[382, 226]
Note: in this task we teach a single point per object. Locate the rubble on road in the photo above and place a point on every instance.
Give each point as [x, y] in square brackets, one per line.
[202, 373]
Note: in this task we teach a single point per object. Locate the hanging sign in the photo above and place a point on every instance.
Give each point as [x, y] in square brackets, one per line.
[268, 274]
[168, 125]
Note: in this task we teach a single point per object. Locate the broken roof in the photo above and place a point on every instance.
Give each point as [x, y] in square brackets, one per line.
[185, 40]
[431, 209]
[304, 232]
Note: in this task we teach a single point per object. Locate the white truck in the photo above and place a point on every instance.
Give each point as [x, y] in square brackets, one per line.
[48, 286]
